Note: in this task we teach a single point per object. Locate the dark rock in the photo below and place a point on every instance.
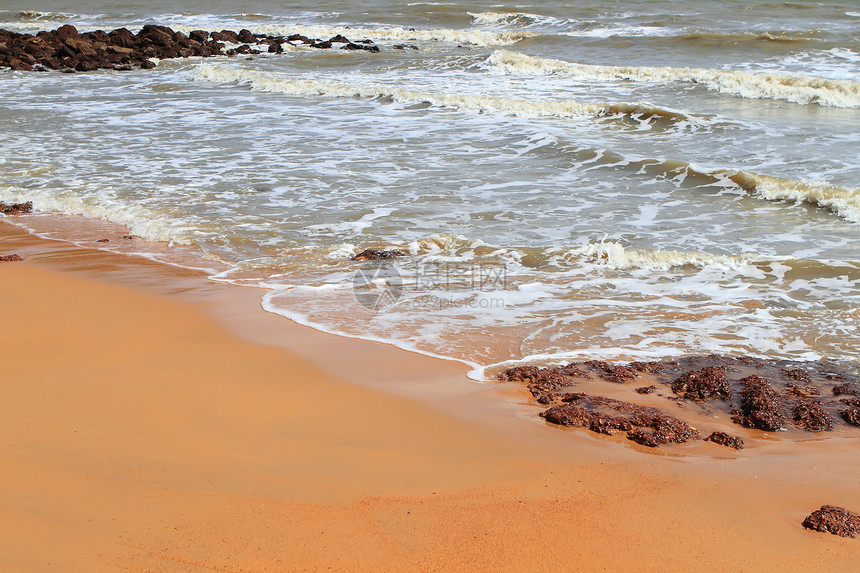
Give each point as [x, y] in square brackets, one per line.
[832, 519]
[147, 64]
[611, 372]
[809, 415]
[405, 47]
[705, 384]
[123, 38]
[654, 429]
[103, 241]
[65, 32]
[226, 36]
[16, 208]
[797, 374]
[357, 46]
[843, 389]
[852, 415]
[802, 390]
[10, 258]
[646, 389]
[647, 426]
[246, 37]
[199, 35]
[575, 416]
[321, 45]
[87, 65]
[340, 40]
[725, 439]
[375, 255]
[275, 48]
[761, 407]
[650, 367]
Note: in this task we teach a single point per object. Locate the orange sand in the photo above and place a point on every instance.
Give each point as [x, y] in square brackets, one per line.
[144, 427]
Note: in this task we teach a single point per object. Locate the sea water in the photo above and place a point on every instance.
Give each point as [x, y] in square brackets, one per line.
[589, 179]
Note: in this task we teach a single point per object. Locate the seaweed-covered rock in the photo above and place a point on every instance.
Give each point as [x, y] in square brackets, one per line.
[16, 208]
[653, 429]
[646, 389]
[644, 425]
[761, 406]
[848, 388]
[797, 374]
[576, 416]
[725, 439]
[852, 415]
[613, 372]
[833, 519]
[809, 415]
[705, 384]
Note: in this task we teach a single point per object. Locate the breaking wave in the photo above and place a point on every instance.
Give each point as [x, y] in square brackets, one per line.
[752, 85]
[262, 81]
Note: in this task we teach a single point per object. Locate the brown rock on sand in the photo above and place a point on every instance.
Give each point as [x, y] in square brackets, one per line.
[832, 519]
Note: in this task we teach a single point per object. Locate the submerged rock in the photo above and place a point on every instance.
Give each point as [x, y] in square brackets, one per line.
[10, 258]
[833, 519]
[375, 255]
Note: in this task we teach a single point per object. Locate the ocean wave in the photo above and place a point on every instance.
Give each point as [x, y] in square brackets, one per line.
[389, 34]
[752, 85]
[268, 82]
[843, 201]
[613, 255]
[740, 38]
[139, 220]
[520, 18]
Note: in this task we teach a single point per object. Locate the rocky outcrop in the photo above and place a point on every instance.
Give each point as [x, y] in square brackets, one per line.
[763, 394]
[69, 50]
[10, 258]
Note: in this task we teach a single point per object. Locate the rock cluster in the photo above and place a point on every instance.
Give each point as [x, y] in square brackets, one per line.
[647, 426]
[762, 394]
[67, 49]
[10, 258]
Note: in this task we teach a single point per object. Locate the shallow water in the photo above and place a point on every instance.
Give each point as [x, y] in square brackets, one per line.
[628, 181]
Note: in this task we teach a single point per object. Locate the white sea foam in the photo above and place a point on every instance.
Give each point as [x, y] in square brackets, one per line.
[753, 85]
[614, 255]
[138, 219]
[268, 82]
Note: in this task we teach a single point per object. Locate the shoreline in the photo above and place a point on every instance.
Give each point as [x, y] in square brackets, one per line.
[154, 419]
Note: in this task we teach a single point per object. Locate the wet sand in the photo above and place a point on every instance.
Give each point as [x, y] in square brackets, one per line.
[152, 420]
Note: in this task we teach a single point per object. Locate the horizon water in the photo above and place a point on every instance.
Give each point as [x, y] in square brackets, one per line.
[626, 180]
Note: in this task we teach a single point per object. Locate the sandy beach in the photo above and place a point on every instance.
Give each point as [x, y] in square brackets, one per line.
[155, 421]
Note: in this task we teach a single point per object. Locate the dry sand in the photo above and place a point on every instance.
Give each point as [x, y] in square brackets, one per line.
[151, 420]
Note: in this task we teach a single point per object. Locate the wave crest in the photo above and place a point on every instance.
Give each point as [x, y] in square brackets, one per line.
[752, 85]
